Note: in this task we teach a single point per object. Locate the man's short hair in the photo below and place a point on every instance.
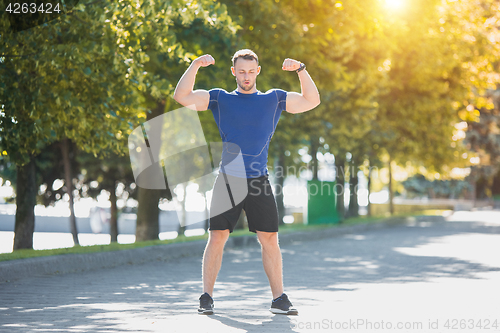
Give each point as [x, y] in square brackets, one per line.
[246, 54]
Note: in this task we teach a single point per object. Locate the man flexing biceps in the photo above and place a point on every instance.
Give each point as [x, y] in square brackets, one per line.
[247, 117]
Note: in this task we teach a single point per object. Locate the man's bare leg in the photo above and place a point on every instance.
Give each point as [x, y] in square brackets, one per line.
[272, 261]
[212, 258]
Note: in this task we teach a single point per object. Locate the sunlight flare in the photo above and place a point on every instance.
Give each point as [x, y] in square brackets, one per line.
[395, 4]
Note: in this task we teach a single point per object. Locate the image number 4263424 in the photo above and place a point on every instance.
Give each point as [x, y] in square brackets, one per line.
[18, 15]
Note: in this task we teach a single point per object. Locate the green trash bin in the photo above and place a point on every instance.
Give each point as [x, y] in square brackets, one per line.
[321, 203]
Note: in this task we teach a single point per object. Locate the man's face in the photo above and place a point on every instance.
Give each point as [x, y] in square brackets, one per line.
[246, 72]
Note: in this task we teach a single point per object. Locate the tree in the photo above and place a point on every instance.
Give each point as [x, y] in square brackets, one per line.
[158, 41]
[270, 29]
[56, 83]
[68, 179]
[428, 74]
[277, 30]
[350, 41]
[75, 85]
[112, 174]
[56, 161]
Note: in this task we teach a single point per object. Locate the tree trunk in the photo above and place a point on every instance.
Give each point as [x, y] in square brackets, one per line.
[340, 178]
[391, 193]
[353, 195]
[495, 187]
[182, 224]
[69, 188]
[369, 207]
[314, 161]
[148, 212]
[25, 206]
[113, 222]
[280, 180]
[472, 178]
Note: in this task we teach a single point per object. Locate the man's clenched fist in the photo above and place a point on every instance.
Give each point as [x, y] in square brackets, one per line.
[290, 65]
[205, 60]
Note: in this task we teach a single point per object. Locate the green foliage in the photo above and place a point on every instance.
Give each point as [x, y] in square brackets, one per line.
[390, 82]
[8, 173]
[58, 82]
[93, 75]
[273, 30]
[49, 167]
[419, 186]
[105, 173]
[91, 87]
[483, 134]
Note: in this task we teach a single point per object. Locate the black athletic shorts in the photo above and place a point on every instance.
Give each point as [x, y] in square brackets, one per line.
[259, 205]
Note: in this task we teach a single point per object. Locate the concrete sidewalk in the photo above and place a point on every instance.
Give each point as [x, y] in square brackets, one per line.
[62, 264]
[418, 276]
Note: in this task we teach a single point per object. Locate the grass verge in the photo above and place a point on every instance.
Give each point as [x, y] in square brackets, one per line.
[287, 228]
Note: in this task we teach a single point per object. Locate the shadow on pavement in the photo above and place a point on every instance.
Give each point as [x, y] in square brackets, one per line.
[163, 296]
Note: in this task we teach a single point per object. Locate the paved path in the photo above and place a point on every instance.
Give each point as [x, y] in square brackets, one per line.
[416, 276]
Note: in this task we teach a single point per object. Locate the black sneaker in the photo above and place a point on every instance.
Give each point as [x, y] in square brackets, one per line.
[206, 304]
[282, 305]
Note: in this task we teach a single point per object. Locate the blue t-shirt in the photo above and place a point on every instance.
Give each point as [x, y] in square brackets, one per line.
[248, 121]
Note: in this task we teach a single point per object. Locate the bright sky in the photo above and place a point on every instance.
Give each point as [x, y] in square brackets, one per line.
[395, 4]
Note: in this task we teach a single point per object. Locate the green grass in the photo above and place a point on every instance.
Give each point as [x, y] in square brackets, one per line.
[29, 253]
[287, 228]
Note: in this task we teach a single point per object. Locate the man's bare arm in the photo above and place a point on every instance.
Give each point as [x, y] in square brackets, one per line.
[308, 98]
[184, 93]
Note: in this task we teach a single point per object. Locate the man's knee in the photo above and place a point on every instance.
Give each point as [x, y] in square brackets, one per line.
[218, 237]
[267, 238]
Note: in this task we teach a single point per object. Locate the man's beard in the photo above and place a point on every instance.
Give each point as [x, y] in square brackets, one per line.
[246, 88]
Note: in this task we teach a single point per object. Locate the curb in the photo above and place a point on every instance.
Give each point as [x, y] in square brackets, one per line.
[71, 263]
